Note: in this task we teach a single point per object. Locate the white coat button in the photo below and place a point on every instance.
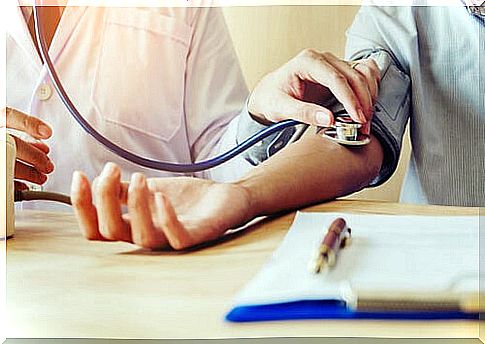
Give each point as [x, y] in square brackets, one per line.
[44, 92]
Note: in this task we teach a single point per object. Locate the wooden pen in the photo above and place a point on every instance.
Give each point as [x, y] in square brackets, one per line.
[337, 237]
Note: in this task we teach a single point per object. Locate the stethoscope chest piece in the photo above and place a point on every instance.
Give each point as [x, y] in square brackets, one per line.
[345, 132]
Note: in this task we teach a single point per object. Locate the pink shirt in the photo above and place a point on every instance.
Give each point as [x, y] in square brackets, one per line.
[164, 83]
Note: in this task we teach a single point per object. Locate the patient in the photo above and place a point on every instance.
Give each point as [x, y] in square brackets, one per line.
[422, 79]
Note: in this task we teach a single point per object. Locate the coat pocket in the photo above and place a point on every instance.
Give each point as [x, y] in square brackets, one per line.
[140, 74]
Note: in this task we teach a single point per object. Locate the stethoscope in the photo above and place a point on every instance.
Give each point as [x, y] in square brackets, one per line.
[344, 132]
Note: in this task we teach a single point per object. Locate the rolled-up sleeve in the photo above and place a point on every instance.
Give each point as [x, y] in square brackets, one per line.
[375, 34]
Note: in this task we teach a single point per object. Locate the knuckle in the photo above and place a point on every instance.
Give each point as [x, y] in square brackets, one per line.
[327, 55]
[38, 160]
[359, 78]
[371, 63]
[306, 114]
[26, 122]
[135, 201]
[373, 68]
[364, 69]
[337, 78]
[34, 175]
[309, 53]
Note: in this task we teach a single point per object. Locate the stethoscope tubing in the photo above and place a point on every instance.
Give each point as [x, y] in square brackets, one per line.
[127, 155]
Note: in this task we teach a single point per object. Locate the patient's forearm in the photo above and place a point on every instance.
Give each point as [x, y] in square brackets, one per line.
[311, 170]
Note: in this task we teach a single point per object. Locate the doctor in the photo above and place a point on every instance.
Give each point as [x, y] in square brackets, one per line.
[149, 79]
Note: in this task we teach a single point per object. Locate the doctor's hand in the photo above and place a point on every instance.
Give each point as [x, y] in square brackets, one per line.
[32, 162]
[294, 90]
[162, 212]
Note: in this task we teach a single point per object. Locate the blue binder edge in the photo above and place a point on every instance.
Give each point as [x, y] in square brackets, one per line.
[329, 309]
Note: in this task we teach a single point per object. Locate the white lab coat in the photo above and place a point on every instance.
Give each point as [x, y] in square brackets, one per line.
[164, 83]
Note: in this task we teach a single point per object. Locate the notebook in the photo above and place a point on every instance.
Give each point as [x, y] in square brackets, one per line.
[404, 267]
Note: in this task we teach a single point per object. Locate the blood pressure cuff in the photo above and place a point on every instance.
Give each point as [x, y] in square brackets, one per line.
[391, 111]
[388, 124]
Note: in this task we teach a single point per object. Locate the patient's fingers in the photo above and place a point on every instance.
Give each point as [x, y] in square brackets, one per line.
[111, 224]
[123, 195]
[143, 231]
[84, 209]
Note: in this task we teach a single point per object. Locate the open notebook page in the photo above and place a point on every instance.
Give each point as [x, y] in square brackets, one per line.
[402, 254]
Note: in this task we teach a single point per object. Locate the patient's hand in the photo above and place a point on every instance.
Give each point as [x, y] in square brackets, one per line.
[176, 212]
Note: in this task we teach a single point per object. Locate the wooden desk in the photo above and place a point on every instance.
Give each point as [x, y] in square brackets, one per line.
[60, 285]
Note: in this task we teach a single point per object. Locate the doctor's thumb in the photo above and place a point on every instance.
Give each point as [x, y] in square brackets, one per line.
[308, 113]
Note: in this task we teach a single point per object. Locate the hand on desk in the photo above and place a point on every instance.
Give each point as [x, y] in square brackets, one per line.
[162, 212]
[32, 163]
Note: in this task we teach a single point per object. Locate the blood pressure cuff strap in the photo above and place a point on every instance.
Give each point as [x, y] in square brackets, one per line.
[248, 126]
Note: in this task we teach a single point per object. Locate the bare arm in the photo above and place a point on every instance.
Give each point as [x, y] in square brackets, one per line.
[182, 212]
[311, 170]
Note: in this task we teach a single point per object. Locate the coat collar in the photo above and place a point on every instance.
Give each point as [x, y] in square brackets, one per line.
[19, 30]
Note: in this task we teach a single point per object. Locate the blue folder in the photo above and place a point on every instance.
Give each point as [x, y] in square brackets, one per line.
[391, 258]
[330, 309]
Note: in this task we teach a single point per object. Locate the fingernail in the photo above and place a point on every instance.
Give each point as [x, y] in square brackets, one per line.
[76, 180]
[50, 167]
[361, 116]
[108, 170]
[43, 179]
[159, 200]
[44, 130]
[138, 180]
[322, 118]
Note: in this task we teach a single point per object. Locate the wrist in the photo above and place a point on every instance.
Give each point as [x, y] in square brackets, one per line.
[254, 206]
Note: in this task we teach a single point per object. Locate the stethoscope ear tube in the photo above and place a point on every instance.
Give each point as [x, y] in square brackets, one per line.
[129, 156]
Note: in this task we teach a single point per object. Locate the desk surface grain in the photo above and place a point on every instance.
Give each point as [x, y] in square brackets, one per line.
[60, 285]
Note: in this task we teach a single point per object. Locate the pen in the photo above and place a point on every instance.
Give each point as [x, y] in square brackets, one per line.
[337, 237]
